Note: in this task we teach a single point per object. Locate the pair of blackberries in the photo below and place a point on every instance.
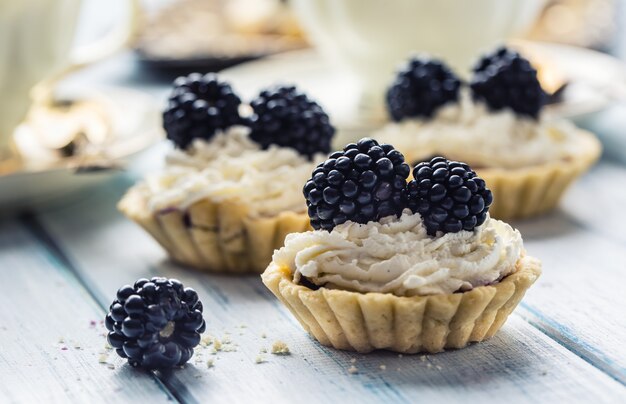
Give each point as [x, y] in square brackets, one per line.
[368, 181]
[199, 106]
[156, 323]
[502, 79]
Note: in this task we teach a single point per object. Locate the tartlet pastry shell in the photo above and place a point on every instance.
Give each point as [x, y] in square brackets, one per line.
[364, 322]
[215, 236]
[530, 191]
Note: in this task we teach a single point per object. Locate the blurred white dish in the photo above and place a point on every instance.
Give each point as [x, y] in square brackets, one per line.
[369, 38]
[594, 82]
[134, 125]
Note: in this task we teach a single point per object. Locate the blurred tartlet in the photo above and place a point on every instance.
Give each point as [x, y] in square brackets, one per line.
[497, 124]
[228, 194]
[424, 272]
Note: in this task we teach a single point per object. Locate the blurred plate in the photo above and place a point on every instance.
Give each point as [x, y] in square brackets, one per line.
[210, 35]
[593, 80]
[134, 124]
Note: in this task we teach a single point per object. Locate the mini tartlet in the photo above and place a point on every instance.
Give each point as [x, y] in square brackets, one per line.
[228, 194]
[424, 272]
[497, 124]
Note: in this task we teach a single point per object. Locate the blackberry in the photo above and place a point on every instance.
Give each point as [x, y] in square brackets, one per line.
[364, 182]
[505, 79]
[448, 195]
[286, 117]
[199, 106]
[420, 88]
[156, 323]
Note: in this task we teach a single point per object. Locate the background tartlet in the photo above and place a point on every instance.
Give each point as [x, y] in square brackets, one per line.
[496, 123]
[226, 200]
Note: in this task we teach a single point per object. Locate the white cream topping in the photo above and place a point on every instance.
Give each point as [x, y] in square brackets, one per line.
[396, 256]
[469, 132]
[232, 167]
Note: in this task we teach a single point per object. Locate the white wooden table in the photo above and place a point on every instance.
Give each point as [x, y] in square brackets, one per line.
[60, 270]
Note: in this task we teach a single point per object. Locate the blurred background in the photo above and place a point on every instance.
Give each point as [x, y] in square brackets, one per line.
[87, 79]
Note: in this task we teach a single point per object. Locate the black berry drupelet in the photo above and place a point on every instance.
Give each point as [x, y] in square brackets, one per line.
[199, 106]
[505, 79]
[448, 195]
[156, 323]
[364, 182]
[420, 88]
[285, 117]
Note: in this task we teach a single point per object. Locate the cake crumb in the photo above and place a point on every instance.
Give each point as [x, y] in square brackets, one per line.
[423, 358]
[226, 339]
[263, 350]
[103, 358]
[217, 344]
[353, 370]
[263, 335]
[209, 363]
[229, 348]
[353, 360]
[280, 348]
[111, 366]
[428, 365]
[206, 340]
[383, 367]
[259, 359]
[61, 340]
[438, 367]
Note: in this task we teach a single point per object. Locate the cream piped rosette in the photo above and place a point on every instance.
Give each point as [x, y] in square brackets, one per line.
[223, 205]
[527, 163]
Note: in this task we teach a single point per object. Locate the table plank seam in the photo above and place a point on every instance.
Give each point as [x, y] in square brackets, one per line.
[551, 328]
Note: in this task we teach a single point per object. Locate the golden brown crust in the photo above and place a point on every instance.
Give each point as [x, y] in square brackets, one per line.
[531, 191]
[218, 237]
[364, 322]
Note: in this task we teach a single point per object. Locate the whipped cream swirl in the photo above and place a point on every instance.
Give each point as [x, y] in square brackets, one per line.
[469, 132]
[396, 256]
[231, 167]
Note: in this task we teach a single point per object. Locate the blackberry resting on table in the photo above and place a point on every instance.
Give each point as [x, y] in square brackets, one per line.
[199, 106]
[448, 195]
[156, 323]
[505, 79]
[420, 88]
[286, 117]
[364, 182]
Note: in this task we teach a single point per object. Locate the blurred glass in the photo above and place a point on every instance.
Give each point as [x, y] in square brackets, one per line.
[36, 50]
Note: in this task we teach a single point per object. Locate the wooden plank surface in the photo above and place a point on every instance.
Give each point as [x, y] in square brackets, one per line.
[521, 363]
[580, 300]
[51, 343]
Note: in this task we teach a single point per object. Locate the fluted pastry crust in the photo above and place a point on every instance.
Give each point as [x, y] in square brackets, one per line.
[215, 237]
[364, 322]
